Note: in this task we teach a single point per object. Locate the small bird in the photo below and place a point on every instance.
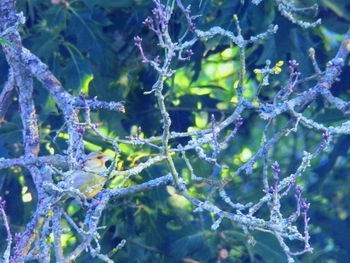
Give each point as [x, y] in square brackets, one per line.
[86, 180]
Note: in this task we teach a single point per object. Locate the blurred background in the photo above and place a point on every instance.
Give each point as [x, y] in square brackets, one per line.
[88, 45]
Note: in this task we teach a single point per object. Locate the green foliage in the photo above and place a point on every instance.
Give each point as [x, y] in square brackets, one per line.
[88, 46]
[5, 42]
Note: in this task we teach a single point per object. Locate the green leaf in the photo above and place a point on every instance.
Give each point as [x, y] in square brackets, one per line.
[338, 7]
[86, 79]
[187, 244]
[201, 119]
[5, 42]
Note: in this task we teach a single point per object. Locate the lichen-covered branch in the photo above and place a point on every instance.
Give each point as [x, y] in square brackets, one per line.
[207, 144]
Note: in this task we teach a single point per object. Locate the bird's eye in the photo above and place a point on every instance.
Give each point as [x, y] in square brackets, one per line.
[99, 157]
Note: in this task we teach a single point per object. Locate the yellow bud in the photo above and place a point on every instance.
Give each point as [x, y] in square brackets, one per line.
[279, 63]
[256, 103]
[50, 213]
[277, 70]
[311, 52]
[256, 71]
[235, 17]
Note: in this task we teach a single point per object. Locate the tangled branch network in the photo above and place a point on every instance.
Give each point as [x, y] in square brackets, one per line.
[207, 143]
